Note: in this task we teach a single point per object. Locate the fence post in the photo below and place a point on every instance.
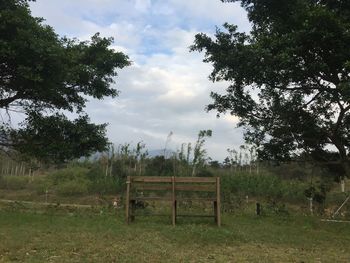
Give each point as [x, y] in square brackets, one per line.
[127, 199]
[173, 201]
[258, 209]
[218, 202]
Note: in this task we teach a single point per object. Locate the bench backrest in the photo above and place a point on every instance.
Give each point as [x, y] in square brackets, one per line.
[173, 184]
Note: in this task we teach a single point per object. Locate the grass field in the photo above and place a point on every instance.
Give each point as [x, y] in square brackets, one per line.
[76, 235]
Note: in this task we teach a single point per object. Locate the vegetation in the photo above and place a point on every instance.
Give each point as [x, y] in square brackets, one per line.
[289, 78]
[42, 75]
[101, 179]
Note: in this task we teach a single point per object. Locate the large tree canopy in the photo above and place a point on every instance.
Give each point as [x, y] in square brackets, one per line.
[42, 76]
[289, 77]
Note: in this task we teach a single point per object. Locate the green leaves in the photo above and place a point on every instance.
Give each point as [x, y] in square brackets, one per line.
[42, 75]
[289, 77]
[56, 138]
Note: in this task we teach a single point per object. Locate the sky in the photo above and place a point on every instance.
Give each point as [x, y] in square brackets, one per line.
[166, 88]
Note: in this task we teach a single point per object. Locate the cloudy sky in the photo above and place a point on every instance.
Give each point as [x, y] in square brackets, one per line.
[167, 87]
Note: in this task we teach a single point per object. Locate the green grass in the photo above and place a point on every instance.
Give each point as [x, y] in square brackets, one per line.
[75, 235]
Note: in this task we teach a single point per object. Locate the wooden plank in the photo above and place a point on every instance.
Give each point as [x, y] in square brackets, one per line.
[194, 215]
[196, 199]
[151, 179]
[127, 199]
[195, 179]
[218, 202]
[335, 221]
[196, 188]
[152, 198]
[169, 198]
[152, 187]
[164, 179]
[140, 214]
[22, 203]
[173, 201]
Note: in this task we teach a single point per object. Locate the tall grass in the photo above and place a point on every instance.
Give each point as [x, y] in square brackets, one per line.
[13, 182]
[262, 186]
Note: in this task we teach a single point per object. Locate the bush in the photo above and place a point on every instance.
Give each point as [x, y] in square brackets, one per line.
[73, 187]
[40, 185]
[69, 174]
[262, 185]
[204, 173]
[71, 181]
[13, 182]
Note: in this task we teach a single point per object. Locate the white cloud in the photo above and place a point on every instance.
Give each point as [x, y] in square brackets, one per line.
[143, 5]
[167, 87]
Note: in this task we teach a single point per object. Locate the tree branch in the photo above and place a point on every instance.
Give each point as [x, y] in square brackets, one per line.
[313, 99]
[5, 102]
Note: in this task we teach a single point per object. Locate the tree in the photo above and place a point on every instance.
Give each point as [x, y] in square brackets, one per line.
[289, 77]
[44, 76]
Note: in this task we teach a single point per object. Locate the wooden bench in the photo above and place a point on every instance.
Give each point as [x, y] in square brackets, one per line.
[171, 187]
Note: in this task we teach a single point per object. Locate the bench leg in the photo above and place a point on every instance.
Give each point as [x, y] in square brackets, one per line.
[132, 214]
[127, 212]
[215, 211]
[174, 213]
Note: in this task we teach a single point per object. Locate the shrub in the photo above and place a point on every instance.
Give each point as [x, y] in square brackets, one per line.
[263, 185]
[107, 185]
[204, 173]
[96, 172]
[40, 185]
[73, 187]
[69, 174]
[13, 182]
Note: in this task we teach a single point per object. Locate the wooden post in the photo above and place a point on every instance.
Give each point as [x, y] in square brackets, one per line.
[215, 213]
[258, 209]
[218, 201]
[173, 201]
[132, 210]
[127, 199]
[311, 205]
[175, 210]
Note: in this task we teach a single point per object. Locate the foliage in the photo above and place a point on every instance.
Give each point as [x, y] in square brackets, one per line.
[13, 182]
[101, 184]
[82, 180]
[73, 187]
[289, 77]
[159, 166]
[106, 175]
[42, 75]
[41, 131]
[68, 174]
[199, 153]
[264, 186]
[40, 185]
